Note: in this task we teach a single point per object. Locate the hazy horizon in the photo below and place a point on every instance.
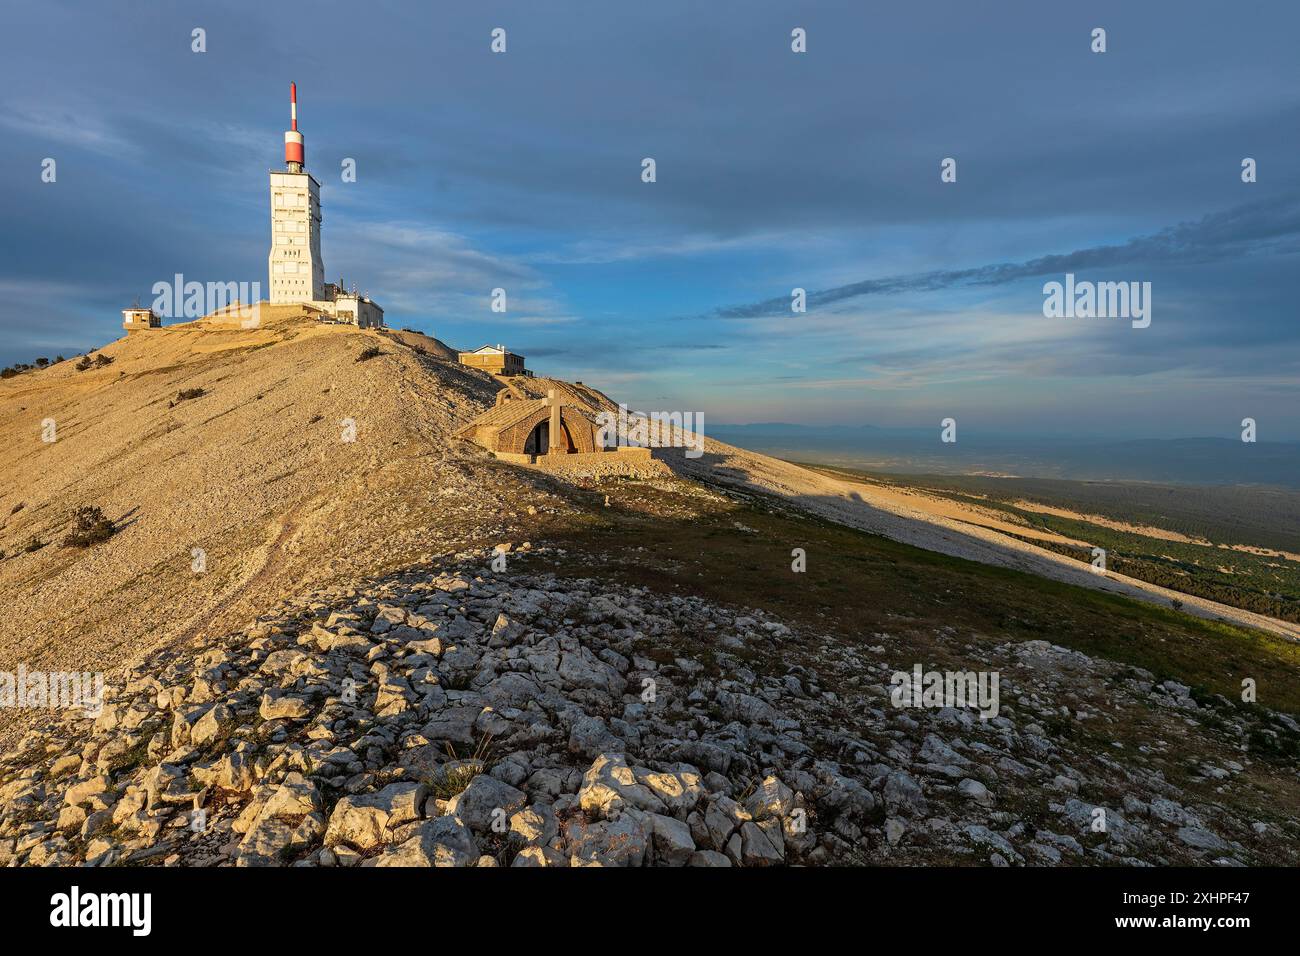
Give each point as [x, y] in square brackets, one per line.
[917, 451]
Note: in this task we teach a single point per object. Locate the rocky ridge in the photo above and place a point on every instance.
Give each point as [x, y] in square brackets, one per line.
[457, 715]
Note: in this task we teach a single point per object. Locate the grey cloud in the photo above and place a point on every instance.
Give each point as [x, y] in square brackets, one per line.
[1254, 229]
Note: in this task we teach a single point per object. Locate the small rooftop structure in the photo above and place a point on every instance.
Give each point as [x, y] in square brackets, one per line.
[496, 359]
[350, 307]
[140, 318]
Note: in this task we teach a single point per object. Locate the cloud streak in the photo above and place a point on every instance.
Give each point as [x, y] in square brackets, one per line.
[1254, 229]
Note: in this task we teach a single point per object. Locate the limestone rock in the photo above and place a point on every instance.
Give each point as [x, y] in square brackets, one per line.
[485, 801]
[672, 840]
[609, 785]
[771, 799]
[276, 705]
[762, 844]
[534, 825]
[903, 793]
[620, 842]
[442, 841]
[368, 820]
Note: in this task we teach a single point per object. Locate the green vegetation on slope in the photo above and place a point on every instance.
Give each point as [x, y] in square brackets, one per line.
[859, 586]
[1223, 516]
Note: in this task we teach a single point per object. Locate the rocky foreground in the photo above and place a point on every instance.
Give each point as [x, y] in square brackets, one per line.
[459, 716]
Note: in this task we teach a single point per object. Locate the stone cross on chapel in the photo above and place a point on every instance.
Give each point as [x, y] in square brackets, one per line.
[555, 431]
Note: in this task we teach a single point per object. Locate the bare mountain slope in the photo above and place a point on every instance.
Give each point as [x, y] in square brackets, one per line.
[350, 679]
[422, 343]
[254, 470]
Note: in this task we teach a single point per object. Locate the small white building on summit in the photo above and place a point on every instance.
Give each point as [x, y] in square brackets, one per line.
[296, 270]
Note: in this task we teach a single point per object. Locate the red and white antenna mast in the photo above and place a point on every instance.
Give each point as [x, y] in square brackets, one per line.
[294, 149]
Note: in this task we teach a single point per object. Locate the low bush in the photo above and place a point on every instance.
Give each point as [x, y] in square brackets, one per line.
[184, 395]
[89, 526]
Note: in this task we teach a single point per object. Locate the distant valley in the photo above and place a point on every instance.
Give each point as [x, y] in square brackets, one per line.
[1214, 461]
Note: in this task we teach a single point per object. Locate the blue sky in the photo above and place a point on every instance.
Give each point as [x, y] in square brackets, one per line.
[775, 170]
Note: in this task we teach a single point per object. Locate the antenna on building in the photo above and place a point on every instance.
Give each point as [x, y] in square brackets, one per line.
[295, 151]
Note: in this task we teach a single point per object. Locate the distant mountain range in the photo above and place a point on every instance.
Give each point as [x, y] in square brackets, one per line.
[919, 450]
